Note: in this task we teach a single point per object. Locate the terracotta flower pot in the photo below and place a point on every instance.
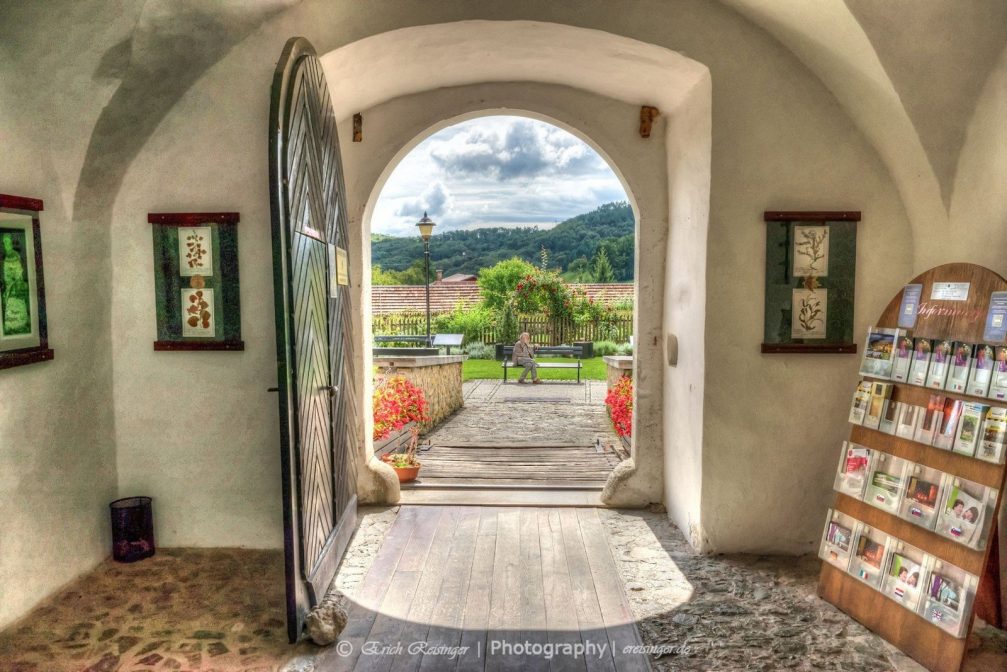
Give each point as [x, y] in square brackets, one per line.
[405, 474]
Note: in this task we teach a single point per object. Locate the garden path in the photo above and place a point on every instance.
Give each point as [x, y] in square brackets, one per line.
[542, 437]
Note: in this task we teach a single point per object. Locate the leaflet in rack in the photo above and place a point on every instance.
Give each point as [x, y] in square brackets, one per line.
[937, 591]
[953, 507]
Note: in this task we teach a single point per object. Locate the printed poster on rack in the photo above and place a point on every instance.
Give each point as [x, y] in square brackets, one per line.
[910, 306]
[996, 318]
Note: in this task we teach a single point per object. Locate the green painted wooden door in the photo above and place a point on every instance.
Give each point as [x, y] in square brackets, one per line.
[318, 409]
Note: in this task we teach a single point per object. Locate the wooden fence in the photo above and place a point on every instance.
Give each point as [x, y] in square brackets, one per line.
[542, 330]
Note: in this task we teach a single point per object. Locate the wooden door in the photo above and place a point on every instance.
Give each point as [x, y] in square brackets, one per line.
[314, 348]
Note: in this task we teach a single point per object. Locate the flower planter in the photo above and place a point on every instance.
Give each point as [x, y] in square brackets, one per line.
[405, 474]
[394, 441]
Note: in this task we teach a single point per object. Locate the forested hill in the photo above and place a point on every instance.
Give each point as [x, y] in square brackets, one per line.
[572, 246]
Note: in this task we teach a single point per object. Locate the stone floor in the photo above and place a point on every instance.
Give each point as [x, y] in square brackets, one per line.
[498, 412]
[183, 609]
[744, 612]
[222, 610]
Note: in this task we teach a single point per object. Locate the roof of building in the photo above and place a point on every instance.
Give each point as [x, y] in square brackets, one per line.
[460, 277]
[445, 296]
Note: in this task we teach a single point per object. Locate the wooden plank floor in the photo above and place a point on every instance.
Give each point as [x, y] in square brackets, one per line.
[481, 588]
[533, 464]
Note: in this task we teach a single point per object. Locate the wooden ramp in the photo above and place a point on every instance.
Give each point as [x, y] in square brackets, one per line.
[468, 588]
[555, 466]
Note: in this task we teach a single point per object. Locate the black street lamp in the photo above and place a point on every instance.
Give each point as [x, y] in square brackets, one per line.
[426, 227]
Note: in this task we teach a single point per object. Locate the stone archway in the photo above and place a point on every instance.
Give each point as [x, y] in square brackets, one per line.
[554, 106]
[613, 133]
[393, 79]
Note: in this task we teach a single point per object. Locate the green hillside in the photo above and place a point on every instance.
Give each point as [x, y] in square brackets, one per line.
[572, 246]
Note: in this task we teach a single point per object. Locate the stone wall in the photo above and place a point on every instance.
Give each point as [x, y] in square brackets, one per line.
[617, 367]
[440, 378]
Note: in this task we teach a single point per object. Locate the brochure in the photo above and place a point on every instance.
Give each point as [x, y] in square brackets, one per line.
[879, 353]
[994, 435]
[920, 498]
[837, 542]
[903, 579]
[870, 550]
[948, 598]
[940, 364]
[966, 512]
[981, 371]
[922, 351]
[854, 465]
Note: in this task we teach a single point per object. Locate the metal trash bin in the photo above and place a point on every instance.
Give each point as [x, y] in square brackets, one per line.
[132, 529]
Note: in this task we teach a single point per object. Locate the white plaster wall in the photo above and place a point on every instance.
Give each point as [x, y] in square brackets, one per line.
[198, 431]
[774, 423]
[978, 231]
[780, 141]
[57, 460]
[688, 158]
[57, 463]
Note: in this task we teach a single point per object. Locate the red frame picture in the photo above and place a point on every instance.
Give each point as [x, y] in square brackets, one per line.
[22, 281]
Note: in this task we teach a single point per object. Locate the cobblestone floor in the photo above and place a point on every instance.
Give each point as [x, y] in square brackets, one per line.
[190, 609]
[495, 412]
[748, 613]
[183, 609]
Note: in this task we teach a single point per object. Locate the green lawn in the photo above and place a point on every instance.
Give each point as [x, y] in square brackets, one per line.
[476, 369]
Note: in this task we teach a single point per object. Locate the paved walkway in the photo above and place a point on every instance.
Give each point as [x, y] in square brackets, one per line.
[548, 436]
[551, 412]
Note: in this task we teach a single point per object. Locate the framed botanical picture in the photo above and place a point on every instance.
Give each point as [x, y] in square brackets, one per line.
[24, 337]
[196, 281]
[811, 260]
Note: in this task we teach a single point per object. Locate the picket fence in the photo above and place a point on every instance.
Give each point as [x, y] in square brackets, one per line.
[541, 329]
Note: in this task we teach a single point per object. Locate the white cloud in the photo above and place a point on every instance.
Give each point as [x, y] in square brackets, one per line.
[495, 171]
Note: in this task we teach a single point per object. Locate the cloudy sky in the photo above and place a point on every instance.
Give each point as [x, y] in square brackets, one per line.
[495, 171]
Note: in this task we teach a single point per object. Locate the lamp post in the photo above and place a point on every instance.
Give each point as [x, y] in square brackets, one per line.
[426, 227]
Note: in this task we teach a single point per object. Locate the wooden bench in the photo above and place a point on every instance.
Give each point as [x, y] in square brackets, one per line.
[402, 339]
[546, 351]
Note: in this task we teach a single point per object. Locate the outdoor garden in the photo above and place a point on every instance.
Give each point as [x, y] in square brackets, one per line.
[517, 296]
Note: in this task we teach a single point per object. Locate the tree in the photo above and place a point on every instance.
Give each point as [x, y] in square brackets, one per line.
[579, 270]
[498, 281]
[379, 276]
[413, 275]
[603, 267]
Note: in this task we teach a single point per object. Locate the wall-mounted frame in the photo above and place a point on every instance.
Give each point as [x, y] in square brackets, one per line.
[811, 265]
[24, 337]
[196, 289]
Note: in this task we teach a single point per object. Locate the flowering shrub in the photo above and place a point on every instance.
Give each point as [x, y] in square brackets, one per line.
[545, 292]
[620, 406]
[397, 402]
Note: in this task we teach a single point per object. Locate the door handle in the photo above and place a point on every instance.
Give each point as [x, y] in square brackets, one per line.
[331, 389]
[272, 389]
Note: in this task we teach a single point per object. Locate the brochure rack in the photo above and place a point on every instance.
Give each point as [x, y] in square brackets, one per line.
[928, 644]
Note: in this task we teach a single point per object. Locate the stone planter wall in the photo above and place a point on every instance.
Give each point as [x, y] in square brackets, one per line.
[618, 366]
[440, 378]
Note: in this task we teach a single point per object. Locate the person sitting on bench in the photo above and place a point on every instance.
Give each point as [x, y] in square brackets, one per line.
[524, 355]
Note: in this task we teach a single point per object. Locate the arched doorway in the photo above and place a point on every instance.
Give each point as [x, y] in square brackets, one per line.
[407, 83]
[532, 205]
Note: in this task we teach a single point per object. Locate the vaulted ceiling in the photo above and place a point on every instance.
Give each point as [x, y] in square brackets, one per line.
[909, 73]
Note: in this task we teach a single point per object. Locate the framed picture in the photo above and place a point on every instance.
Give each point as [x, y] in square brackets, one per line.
[811, 263]
[24, 337]
[196, 281]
